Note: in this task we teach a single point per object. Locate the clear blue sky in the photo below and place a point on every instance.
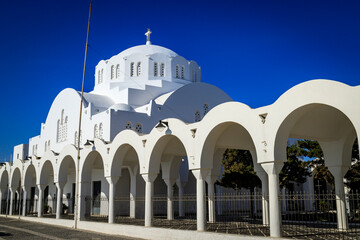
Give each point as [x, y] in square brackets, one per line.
[253, 50]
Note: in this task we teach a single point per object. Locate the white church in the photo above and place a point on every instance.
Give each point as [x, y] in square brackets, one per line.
[151, 127]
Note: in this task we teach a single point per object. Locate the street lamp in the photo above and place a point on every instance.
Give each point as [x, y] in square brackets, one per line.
[89, 143]
[162, 125]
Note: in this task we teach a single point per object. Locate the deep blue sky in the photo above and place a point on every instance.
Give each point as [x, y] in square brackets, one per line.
[253, 50]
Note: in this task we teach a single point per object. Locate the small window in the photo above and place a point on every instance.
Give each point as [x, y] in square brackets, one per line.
[138, 128]
[162, 70]
[128, 125]
[58, 131]
[197, 116]
[206, 108]
[45, 146]
[112, 71]
[118, 71]
[96, 131]
[177, 71]
[62, 116]
[101, 75]
[132, 69]
[101, 131]
[138, 69]
[155, 69]
[182, 72]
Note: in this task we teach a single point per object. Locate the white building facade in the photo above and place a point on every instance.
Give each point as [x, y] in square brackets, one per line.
[129, 158]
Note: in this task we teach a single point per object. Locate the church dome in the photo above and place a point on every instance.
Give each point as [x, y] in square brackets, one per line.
[141, 73]
[148, 50]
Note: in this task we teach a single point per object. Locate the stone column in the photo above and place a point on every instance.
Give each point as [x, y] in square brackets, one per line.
[149, 189]
[273, 169]
[200, 175]
[59, 187]
[12, 193]
[170, 210]
[133, 195]
[210, 179]
[339, 172]
[112, 182]
[41, 188]
[265, 196]
[25, 191]
[181, 186]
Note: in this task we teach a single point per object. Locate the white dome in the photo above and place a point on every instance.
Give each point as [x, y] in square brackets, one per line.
[122, 107]
[148, 50]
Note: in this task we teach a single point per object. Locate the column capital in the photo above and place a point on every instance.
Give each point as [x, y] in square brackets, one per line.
[338, 171]
[272, 168]
[112, 179]
[211, 178]
[262, 175]
[149, 177]
[41, 186]
[201, 173]
[60, 184]
[169, 181]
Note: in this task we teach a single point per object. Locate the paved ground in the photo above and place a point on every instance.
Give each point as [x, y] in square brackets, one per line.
[290, 229]
[18, 229]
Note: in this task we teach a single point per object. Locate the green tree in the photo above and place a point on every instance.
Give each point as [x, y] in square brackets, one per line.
[353, 175]
[239, 173]
[238, 170]
[294, 170]
[312, 150]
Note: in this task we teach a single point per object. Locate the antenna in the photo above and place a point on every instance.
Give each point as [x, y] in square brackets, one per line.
[76, 204]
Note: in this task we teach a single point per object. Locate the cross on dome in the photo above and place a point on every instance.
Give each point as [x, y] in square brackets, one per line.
[147, 34]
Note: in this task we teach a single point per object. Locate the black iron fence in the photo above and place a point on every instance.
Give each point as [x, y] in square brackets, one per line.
[304, 215]
[316, 215]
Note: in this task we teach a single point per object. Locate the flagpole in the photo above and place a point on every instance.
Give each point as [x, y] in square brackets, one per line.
[77, 210]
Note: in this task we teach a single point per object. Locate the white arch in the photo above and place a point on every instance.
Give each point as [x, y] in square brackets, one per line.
[156, 139]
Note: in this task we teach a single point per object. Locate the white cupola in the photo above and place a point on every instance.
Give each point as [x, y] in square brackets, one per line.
[144, 72]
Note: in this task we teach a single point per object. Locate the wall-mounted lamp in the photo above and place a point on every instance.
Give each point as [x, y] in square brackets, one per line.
[162, 125]
[89, 143]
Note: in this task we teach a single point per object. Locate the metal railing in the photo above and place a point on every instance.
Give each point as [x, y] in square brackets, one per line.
[316, 215]
[304, 215]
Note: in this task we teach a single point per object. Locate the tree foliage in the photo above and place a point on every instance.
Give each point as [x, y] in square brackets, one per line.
[353, 175]
[294, 170]
[238, 170]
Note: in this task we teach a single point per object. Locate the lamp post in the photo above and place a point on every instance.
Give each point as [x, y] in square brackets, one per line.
[76, 205]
